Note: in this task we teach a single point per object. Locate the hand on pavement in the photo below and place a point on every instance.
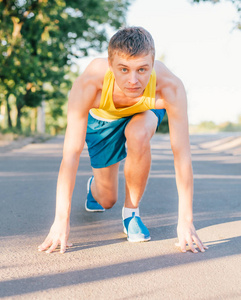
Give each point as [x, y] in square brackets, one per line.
[58, 235]
[187, 235]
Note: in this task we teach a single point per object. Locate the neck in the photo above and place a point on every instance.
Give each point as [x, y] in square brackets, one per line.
[120, 100]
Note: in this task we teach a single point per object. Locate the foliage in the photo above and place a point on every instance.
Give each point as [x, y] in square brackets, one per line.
[209, 126]
[163, 127]
[229, 126]
[236, 3]
[40, 39]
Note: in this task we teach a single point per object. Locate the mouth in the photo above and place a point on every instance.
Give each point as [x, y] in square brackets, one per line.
[133, 89]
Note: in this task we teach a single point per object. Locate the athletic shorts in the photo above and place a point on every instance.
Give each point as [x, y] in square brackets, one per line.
[106, 139]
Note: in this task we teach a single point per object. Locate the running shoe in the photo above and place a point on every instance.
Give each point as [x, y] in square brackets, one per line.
[91, 204]
[135, 229]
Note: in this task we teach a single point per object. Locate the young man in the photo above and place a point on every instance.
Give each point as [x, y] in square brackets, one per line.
[115, 101]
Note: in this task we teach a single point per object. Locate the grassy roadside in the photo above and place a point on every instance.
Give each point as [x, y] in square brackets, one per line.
[211, 127]
[12, 140]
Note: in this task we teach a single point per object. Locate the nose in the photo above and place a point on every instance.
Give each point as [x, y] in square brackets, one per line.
[133, 78]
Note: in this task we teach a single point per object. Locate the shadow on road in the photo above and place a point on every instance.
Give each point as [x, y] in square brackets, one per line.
[44, 282]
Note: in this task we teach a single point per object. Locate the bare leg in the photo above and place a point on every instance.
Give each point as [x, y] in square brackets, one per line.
[104, 187]
[138, 133]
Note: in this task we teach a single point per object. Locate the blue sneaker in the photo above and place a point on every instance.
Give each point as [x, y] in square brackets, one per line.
[91, 204]
[135, 229]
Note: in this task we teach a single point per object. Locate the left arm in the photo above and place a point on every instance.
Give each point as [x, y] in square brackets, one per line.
[179, 136]
[175, 102]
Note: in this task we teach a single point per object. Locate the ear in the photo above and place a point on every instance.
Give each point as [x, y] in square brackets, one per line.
[109, 63]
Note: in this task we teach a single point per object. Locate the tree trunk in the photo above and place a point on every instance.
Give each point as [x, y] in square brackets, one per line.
[18, 125]
[41, 118]
[10, 125]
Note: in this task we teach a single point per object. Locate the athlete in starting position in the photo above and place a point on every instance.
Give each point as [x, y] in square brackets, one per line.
[115, 101]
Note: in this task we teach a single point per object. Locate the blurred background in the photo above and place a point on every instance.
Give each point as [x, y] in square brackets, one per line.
[45, 45]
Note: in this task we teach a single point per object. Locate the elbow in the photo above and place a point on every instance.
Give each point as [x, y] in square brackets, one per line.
[70, 160]
[182, 155]
[72, 155]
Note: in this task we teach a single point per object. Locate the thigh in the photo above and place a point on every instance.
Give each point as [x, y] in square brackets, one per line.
[106, 180]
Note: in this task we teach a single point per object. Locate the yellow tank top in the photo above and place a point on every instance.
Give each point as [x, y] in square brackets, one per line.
[107, 109]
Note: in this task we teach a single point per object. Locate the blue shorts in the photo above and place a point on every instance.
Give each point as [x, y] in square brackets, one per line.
[106, 139]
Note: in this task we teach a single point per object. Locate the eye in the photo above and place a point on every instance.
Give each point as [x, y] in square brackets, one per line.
[141, 70]
[124, 70]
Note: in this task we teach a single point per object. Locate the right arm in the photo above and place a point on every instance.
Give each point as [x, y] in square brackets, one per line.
[81, 100]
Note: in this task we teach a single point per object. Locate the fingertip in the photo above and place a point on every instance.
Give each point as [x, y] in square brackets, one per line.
[41, 248]
[62, 249]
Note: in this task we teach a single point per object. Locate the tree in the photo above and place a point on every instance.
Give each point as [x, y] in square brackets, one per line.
[236, 3]
[164, 127]
[40, 39]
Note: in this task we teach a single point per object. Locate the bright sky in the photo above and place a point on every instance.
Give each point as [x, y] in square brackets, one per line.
[201, 47]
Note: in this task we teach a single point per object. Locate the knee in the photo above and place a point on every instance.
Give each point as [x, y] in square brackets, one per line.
[139, 140]
[107, 202]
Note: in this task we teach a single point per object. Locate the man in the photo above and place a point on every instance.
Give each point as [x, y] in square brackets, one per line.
[115, 101]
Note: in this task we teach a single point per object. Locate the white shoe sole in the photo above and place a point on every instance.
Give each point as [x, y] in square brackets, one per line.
[138, 241]
[135, 241]
[92, 210]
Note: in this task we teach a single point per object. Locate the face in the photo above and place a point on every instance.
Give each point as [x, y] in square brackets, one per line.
[132, 74]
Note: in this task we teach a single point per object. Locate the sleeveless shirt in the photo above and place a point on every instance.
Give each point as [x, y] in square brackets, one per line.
[107, 109]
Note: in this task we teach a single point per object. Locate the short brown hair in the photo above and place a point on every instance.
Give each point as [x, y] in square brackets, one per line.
[131, 41]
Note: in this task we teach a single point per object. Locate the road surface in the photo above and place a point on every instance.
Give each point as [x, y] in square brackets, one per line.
[102, 264]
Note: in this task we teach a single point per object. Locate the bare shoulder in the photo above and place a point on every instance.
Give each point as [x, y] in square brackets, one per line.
[165, 78]
[86, 89]
[94, 73]
[169, 88]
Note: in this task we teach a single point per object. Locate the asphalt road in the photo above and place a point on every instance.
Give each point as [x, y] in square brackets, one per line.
[102, 264]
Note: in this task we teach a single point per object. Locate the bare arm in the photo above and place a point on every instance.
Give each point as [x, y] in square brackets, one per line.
[82, 98]
[179, 136]
[175, 102]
